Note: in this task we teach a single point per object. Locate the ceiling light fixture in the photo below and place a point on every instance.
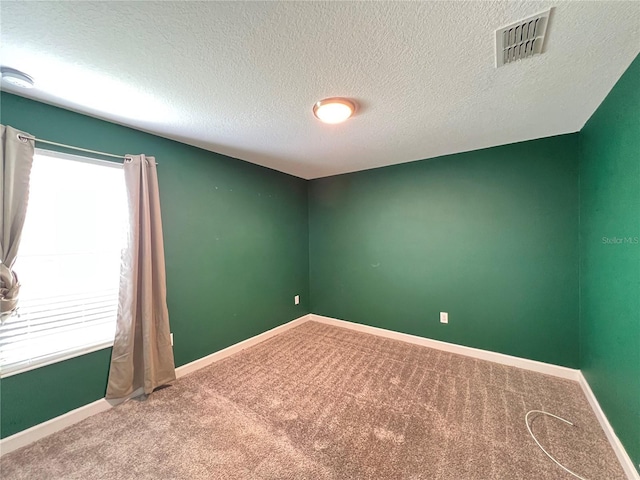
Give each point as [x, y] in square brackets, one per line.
[16, 78]
[334, 110]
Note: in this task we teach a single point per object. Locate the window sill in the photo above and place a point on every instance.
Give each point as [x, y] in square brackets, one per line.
[56, 359]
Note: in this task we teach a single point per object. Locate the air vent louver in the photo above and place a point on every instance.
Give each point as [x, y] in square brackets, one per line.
[522, 39]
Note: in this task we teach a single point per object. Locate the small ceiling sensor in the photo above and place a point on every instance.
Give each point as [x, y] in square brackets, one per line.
[334, 110]
[16, 78]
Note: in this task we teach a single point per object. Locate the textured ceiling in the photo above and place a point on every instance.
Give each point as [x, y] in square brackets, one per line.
[241, 78]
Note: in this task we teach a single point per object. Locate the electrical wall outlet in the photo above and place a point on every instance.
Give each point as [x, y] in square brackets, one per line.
[296, 300]
[444, 317]
[171, 335]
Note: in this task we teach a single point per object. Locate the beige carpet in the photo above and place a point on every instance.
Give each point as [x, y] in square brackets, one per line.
[319, 402]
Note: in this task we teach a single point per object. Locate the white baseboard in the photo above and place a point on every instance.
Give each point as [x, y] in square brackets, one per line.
[219, 355]
[30, 435]
[623, 457]
[540, 367]
[44, 429]
[25, 437]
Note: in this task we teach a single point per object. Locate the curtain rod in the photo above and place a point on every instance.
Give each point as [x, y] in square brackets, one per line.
[22, 138]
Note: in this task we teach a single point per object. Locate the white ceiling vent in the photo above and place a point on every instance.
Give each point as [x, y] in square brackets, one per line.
[522, 39]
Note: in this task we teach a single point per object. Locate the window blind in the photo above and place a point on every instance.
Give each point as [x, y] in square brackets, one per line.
[49, 329]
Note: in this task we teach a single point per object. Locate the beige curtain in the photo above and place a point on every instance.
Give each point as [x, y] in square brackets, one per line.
[16, 158]
[142, 357]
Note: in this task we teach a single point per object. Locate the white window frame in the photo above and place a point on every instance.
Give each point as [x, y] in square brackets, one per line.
[88, 348]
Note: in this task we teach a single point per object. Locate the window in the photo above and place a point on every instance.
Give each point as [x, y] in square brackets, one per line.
[68, 263]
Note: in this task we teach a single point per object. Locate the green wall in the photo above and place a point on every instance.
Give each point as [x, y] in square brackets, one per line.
[610, 257]
[236, 247]
[490, 236]
[530, 247]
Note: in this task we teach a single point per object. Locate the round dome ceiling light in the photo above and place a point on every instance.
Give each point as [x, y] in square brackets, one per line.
[334, 110]
[16, 78]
